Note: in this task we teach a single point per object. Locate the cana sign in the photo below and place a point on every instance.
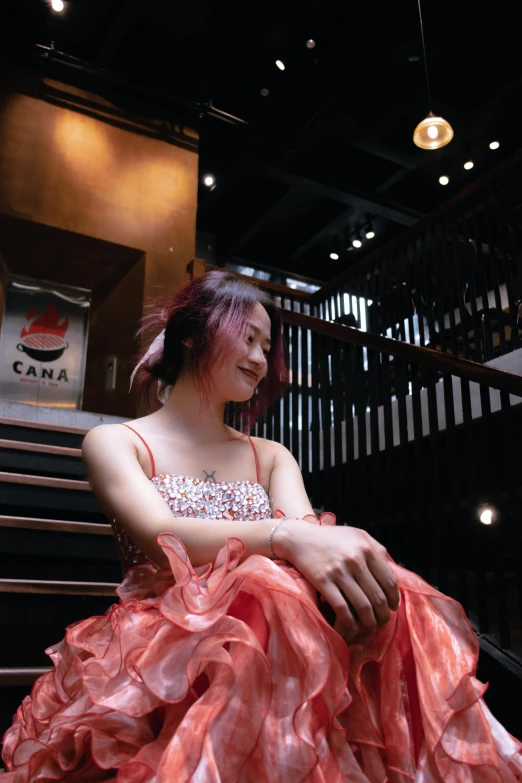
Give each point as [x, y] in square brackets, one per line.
[42, 350]
[43, 341]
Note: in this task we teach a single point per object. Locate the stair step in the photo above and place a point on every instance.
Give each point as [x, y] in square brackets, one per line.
[37, 425]
[44, 481]
[57, 525]
[15, 676]
[48, 587]
[41, 448]
[35, 432]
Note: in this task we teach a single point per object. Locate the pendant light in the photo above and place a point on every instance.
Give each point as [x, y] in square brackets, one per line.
[432, 132]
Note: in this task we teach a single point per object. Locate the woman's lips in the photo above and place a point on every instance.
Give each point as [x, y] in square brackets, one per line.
[249, 374]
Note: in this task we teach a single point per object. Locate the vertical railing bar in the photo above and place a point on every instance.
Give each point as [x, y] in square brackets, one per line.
[335, 348]
[316, 457]
[483, 285]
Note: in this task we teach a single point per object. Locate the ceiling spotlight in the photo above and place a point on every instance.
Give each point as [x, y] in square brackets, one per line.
[370, 234]
[310, 44]
[334, 256]
[57, 5]
[468, 165]
[494, 145]
[280, 64]
[209, 180]
[357, 243]
[444, 180]
[265, 93]
[488, 515]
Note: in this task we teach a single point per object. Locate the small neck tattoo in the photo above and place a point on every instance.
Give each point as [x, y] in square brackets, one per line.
[210, 476]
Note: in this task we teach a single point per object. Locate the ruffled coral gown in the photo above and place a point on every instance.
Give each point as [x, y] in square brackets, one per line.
[231, 674]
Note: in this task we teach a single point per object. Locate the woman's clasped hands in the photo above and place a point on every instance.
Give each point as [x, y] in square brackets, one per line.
[349, 569]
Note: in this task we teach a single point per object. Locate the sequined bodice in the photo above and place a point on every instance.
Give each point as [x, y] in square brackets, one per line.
[193, 497]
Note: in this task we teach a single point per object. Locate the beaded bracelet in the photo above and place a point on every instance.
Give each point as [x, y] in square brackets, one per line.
[272, 534]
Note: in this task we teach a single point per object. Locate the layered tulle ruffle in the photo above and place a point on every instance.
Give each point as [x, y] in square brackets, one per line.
[231, 673]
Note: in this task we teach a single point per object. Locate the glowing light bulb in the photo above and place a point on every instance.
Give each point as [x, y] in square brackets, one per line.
[370, 234]
[433, 131]
[280, 64]
[468, 165]
[357, 243]
[334, 256]
[494, 145]
[486, 516]
[444, 180]
[310, 44]
[57, 5]
[209, 180]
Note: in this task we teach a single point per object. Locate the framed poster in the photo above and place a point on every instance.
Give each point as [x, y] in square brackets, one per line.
[43, 344]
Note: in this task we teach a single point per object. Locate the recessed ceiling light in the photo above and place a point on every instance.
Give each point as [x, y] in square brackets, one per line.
[310, 44]
[494, 145]
[265, 93]
[444, 180]
[280, 64]
[57, 5]
[468, 165]
[357, 243]
[334, 256]
[209, 180]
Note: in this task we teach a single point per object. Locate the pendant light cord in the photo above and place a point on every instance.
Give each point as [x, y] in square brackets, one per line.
[425, 58]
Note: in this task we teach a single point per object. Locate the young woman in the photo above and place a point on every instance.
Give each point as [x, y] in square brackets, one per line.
[217, 665]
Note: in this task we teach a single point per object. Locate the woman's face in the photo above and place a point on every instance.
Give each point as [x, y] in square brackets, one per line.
[236, 375]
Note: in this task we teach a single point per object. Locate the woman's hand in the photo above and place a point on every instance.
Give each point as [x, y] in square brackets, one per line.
[349, 569]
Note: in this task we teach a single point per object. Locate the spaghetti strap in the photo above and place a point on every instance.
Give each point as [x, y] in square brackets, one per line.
[152, 463]
[258, 474]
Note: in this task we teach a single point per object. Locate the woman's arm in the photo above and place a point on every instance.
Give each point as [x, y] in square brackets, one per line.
[127, 495]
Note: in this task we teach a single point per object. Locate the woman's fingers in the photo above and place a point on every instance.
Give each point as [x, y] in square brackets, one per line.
[359, 596]
[383, 575]
[345, 623]
[375, 596]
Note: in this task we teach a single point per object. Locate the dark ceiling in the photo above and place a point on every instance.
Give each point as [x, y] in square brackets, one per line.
[301, 169]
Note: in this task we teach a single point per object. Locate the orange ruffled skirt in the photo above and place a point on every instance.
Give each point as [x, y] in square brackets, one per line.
[231, 674]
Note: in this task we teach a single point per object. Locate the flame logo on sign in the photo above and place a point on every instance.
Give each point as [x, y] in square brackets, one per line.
[47, 323]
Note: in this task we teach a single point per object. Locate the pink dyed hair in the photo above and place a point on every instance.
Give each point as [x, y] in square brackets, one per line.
[211, 311]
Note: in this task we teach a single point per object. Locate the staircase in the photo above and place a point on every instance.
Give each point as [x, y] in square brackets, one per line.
[58, 562]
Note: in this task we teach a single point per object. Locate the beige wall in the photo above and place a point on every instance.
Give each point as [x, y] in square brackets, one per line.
[64, 169]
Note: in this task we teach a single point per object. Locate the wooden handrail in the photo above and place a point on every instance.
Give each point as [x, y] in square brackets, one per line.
[276, 288]
[444, 362]
[44, 481]
[370, 260]
[24, 675]
[47, 587]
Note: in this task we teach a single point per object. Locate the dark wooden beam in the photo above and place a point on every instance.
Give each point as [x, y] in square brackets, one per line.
[373, 204]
